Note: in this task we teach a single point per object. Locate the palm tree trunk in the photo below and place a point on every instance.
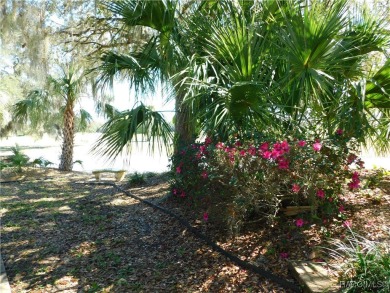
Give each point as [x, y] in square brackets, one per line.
[184, 125]
[66, 161]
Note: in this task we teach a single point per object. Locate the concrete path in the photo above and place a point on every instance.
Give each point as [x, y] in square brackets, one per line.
[4, 285]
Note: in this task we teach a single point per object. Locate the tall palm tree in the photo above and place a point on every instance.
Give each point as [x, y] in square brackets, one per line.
[58, 99]
[157, 59]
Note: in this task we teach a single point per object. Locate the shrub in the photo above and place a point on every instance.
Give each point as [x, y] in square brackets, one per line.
[251, 180]
[17, 160]
[41, 162]
[137, 179]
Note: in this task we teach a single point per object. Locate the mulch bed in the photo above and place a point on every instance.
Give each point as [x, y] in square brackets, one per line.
[59, 235]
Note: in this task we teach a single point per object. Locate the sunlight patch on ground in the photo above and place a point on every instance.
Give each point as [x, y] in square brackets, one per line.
[26, 252]
[46, 199]
[8, 198]
[19, 243]
[30, 192]
[121, 202]
[65, 282]
[48, 226]
[83, 249]
[49, 260]
[10, 229]
[66, 210]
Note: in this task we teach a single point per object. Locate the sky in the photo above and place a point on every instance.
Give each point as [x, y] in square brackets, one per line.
[124, 99]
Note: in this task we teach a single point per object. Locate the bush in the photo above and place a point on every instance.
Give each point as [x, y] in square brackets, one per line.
[250, 180]
[17, 160]
[41, 162]
[137, 179]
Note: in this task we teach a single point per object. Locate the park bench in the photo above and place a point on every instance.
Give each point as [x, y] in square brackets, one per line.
[119, 174]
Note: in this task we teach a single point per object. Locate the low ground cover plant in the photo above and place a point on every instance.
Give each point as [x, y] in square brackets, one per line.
[365, 266]
[18, 160]
[246, 180]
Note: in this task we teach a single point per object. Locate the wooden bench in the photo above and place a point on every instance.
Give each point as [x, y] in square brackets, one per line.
[119, 174]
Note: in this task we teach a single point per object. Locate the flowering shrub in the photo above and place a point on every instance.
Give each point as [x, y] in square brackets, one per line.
[249, 180]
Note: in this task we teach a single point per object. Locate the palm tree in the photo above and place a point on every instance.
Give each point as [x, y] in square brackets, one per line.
[157, 59]
[43, 106]
[288, 65]
[270, 66]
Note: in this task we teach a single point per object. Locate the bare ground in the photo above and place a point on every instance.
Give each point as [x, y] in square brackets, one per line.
[62, 236]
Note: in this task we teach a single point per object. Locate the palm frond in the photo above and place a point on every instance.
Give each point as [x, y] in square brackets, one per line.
[33, 108]
[128, 127]
[84, 119]
[157, 14]
[141, 68]
[378, 88]
[107, 110]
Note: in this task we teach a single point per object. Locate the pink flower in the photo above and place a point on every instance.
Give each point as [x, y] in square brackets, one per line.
[285, 146]
[182, 194]
[278, 146]
[347, 223]
[295, 188]
[355, 176]
[202, 149]
[242, 153]
[341, 209]
[353, 185]
[301, 143]
[283, 255]
[174, 191]
[320, 193]
[220, 145]
[317, 146]
[276, 153]
[183, 152]
[204, 175]
[299, 222]
[267, 155]
[252, 150]
[207, 141]
[205, 217]
[264, 146]
[339, 131]
[178, 169]
[283, 164]
[238, 143]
